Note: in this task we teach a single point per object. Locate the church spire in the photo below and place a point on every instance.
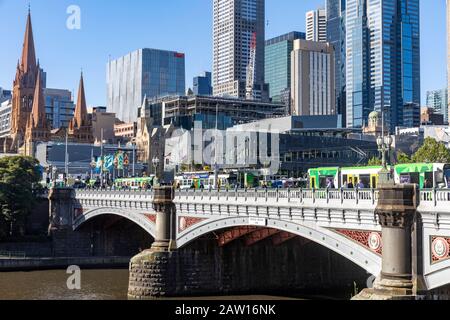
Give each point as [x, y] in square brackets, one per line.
[81, 109]
[28, 60]
[38, 115]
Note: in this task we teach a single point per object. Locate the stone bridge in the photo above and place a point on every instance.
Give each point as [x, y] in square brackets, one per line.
[341, 220]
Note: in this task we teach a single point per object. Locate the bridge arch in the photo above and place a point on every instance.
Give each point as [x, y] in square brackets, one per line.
[364, 258]
[141, 220]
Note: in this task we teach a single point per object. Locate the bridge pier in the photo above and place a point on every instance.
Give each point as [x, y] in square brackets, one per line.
[153, 271]
[396, 209]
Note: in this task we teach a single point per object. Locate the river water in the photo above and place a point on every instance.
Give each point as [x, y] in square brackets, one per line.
[110, 284]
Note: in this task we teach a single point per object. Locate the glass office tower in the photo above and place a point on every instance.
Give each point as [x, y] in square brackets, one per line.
[357, 63]
[234, 24]
[278, 65]
[59, 107]
[392, 40]
[144, 72]
[336, 36]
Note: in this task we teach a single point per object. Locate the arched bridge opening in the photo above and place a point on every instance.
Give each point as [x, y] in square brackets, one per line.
[114, 235]
[262, 260]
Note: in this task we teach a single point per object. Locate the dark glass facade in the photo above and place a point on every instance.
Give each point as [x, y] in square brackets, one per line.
[278, 64]
[393, 61]
[336, 37]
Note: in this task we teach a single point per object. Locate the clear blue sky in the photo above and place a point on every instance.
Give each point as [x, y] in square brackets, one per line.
[114, 27]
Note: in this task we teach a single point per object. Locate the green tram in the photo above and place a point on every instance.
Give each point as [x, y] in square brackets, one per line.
[426, 175]
[134, 183]
[320, 178]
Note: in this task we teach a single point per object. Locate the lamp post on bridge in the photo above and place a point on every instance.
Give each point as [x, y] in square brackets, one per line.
[155, 162]
[384, 143]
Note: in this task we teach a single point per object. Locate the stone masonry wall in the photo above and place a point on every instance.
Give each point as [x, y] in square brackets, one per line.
[203, 268]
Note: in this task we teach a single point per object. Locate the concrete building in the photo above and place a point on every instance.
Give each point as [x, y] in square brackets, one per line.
[438, 101]
[235, 23]
[316, 25]
[125, 132]
[301, 146]
[103, 125]
[312, 81]
[52, 155]
[278, 66]
[428, 116]
[184, 110]
[59, 107]
[144, 72]
[336, 37]
[202, 84]
[5, 120]
[383, 61]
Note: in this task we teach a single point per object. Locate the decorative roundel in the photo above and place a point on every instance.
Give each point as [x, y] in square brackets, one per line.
[440, 248]
[374, 241]
[183, 223]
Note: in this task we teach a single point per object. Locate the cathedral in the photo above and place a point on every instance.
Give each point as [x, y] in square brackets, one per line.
[29, 124]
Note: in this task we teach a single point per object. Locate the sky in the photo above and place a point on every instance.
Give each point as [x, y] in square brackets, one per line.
[112, 28]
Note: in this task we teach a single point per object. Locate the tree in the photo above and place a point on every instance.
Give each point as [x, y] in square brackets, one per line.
[432, 152]
[374, 162]
[403, 158]
[19, 176]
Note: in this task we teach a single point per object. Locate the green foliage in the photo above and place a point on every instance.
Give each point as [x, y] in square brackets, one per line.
[19, 176]
[432, 152]
[374, 162]
[403, 158]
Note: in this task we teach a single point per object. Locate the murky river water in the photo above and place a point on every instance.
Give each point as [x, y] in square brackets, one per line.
[110, 284]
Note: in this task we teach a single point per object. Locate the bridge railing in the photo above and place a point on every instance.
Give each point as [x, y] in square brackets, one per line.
[429, 198]
[369, 196]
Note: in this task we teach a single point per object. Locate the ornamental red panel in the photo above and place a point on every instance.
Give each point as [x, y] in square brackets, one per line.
[151, 217]
[369, 239]
[440, 249]
[185, 223]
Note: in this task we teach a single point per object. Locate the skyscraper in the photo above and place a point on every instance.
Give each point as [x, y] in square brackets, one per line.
[336, 37]
[312, 74]
[278, 66]
[316, 25]
[357, 64]
[236, 23]
[383, 59]
[144, 72]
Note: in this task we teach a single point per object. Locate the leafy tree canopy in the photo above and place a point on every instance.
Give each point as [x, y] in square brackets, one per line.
[432, 152]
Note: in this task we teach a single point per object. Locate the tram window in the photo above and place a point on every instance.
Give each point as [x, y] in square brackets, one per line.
[313, 182]
[344, 179]
[429, 180]
[365, 179]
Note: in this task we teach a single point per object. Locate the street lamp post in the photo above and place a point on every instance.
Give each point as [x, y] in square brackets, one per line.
[384, 146]
[155, 162]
